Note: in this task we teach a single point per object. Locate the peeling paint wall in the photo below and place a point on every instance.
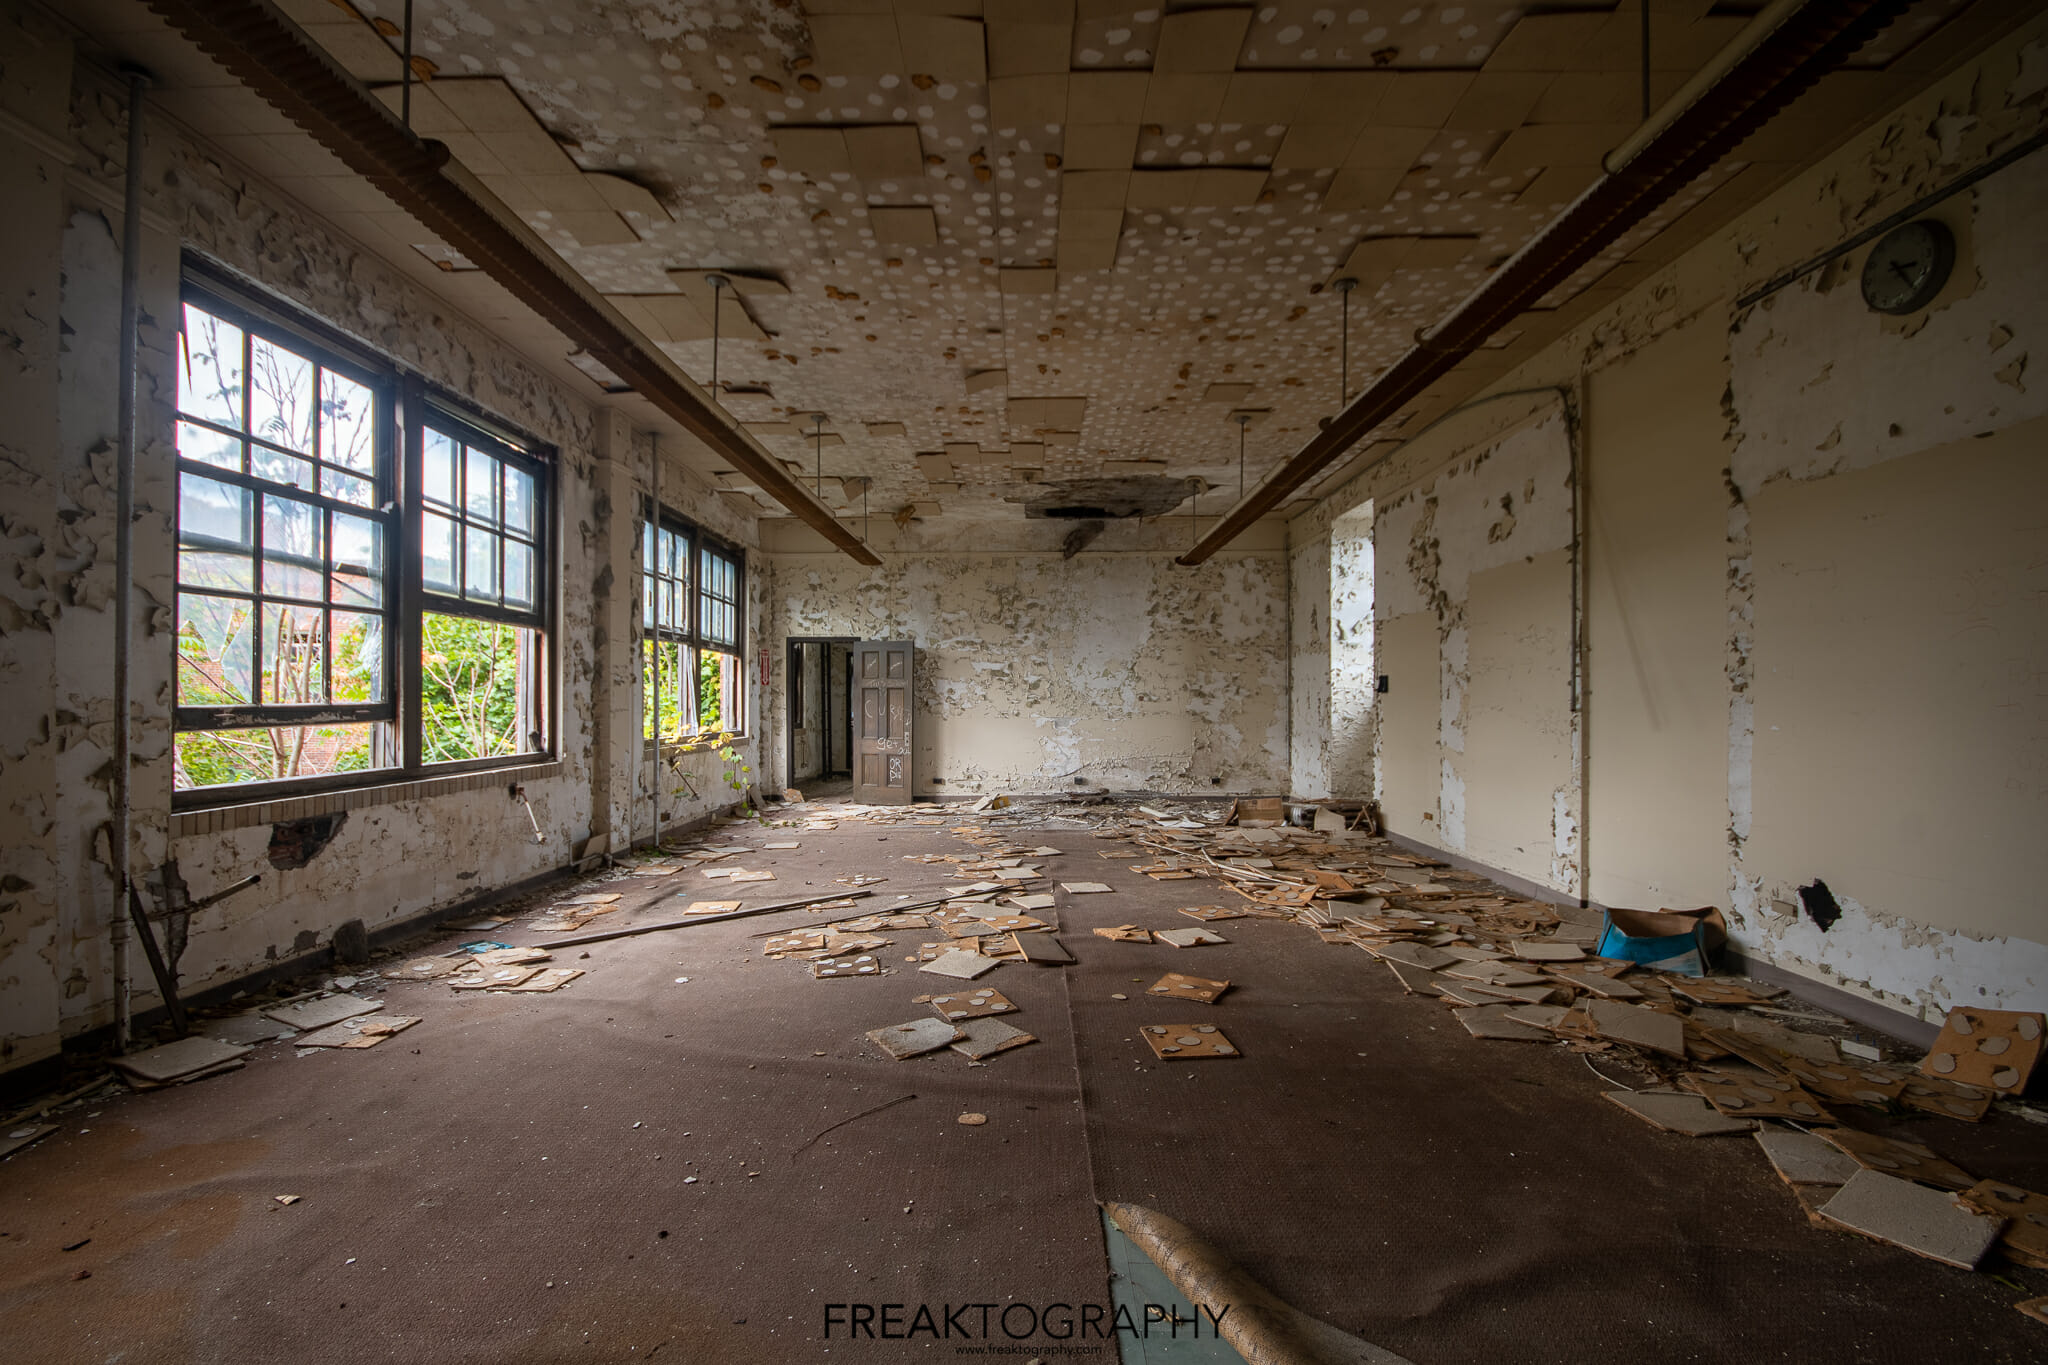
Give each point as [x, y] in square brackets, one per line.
[1120, 668]
[1813, 583]
[1309, 598]
[1353, 716]
[392, 858]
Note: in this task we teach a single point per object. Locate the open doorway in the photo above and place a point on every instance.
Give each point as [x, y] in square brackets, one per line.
[1353, 690]
[820, 714]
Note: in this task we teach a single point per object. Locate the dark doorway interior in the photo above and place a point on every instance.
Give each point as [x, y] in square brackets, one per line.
[820, 713]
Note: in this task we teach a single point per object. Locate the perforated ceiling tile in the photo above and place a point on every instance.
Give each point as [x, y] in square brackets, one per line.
[929, 221]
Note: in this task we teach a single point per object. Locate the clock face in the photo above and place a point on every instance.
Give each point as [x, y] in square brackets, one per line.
[1908, 267]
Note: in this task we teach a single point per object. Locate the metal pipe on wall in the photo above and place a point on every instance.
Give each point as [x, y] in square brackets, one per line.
[119, 836]
[654, 523]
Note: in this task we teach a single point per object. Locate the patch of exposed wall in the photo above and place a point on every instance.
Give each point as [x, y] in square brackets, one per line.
[1495, 521]
[1308, 613]
[1122, 669]
[1887, 723]
[1353, 717]
[1813, 599]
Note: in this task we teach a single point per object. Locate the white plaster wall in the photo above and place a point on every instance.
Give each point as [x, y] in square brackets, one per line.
[1124, 669]
[62, 168]
[1353, 717]
[1308, 614]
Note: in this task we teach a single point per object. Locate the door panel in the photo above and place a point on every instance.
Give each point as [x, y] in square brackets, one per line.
[882, 718]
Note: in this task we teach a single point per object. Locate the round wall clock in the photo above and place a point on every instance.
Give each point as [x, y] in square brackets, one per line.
[1908, 267]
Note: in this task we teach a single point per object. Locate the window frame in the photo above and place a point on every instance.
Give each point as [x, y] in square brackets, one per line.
[403, 401]
[688, 637]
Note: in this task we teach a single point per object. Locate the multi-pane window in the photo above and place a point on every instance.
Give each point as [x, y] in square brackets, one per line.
[481, 641]
[285, 528]
[297, 584]
[691, 624]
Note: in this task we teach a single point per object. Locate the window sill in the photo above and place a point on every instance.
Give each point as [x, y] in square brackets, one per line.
[219, 819]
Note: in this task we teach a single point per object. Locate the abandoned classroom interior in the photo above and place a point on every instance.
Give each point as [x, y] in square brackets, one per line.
[633, 629]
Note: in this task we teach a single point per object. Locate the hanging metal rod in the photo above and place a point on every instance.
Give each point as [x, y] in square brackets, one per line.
[1779, 56]
[273, 57]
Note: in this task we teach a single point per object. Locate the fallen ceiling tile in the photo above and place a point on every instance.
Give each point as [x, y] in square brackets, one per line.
[1907, 1160]
[961, 964]
[2025, 1238]
[1805, 1159]
[1925, 1222]
[919, 1036]
[1678, 1113]
[1993, 1049]
[1188, 938]
[1749, 1096]
[826, 968]
[1491, 1021]
[1187, 1042]
[1182, 987]
[986, 1037]
[972, 1004]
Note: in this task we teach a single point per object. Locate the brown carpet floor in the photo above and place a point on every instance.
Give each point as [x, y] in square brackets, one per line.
[507, 1180]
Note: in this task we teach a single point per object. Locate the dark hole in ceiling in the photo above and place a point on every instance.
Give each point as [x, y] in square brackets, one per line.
[1130, 495]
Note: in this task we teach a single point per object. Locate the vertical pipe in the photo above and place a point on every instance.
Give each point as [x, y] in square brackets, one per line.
[405, 77]
[654, 519]
[124, 550]
[1576, 445]
[1646, 59]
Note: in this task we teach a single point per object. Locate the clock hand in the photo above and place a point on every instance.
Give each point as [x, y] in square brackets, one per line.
[1901, 272]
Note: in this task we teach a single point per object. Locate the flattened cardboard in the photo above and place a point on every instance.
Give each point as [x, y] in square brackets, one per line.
[1180, 987]
[548, 979]
[1187, 1042]
[977, 1004]
[903, 1041]
[1925, 1222]
[1993, 1049]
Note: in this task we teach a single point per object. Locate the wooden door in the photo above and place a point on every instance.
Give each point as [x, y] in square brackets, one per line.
[881, 721]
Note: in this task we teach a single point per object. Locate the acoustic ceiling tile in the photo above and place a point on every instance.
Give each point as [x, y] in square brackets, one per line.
[1200, 40]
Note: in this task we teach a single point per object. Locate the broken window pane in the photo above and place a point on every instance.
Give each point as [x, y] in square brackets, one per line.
[214, 654]
[358, 657]
[718, 691]
[294, 655]
[213, 758]
[675, 676]
[477, 688]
